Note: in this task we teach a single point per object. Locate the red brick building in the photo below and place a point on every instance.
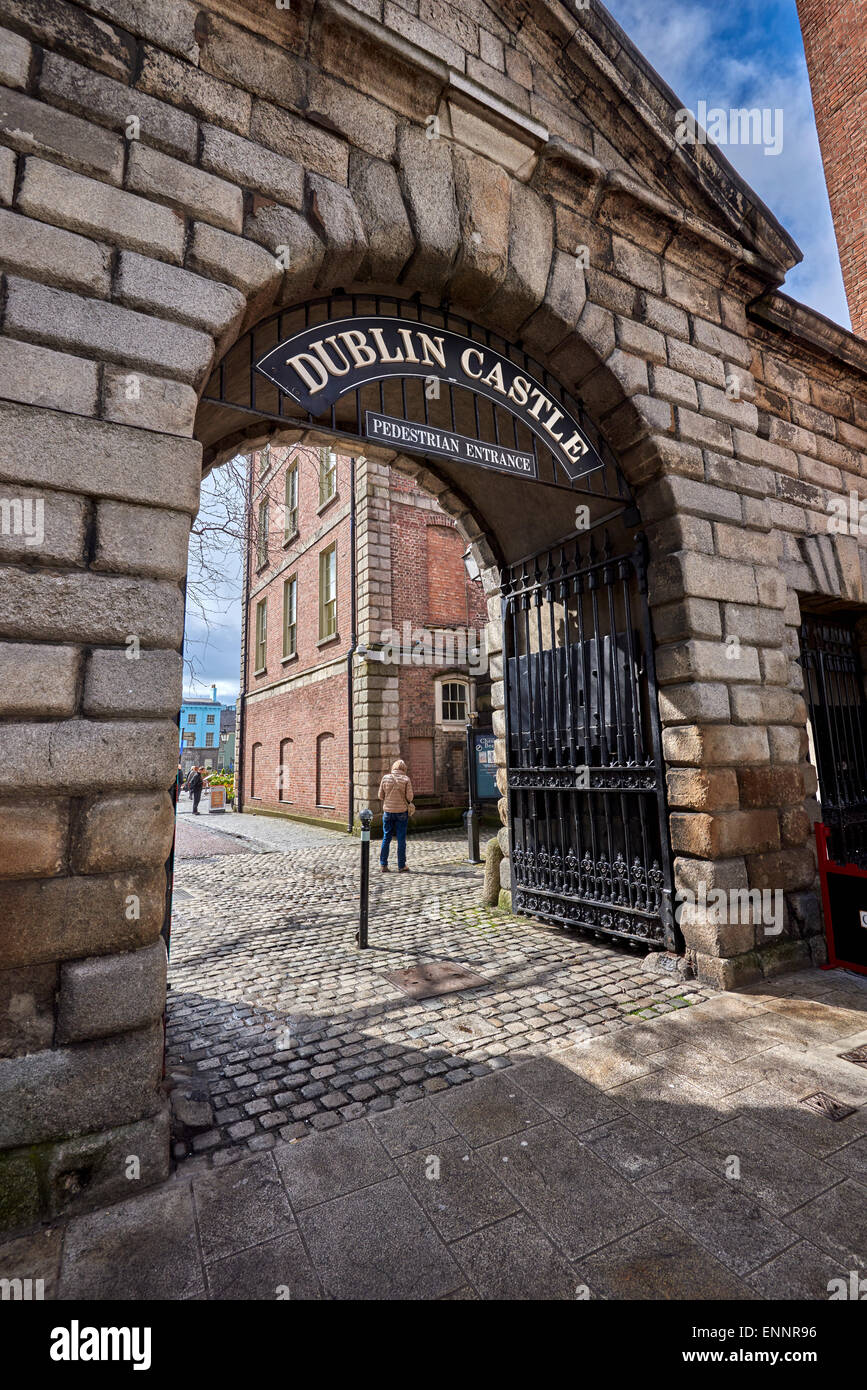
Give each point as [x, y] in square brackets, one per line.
[362, 630]
[835, 41]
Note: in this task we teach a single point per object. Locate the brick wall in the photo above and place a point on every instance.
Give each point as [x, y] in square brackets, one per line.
[304, 698]
[409, 569]
[447, 580]
[318, 529]
[302, 715]
[438, 752]
[430, 584]
[419, 758]
[835, 42]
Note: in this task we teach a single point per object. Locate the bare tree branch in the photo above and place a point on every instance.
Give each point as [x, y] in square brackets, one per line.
[219, 537]
[216, 555]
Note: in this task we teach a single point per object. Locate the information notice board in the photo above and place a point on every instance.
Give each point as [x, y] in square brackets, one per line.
[484, 766]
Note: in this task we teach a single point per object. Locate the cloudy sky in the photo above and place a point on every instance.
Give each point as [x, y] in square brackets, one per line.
[749, 53]
[727, 53]
[212, 637]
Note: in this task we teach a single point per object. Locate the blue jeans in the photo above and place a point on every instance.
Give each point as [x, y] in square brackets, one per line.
[394, 824]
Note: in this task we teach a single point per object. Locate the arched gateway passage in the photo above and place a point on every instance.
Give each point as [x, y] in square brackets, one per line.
[277, 154]
[556, 520]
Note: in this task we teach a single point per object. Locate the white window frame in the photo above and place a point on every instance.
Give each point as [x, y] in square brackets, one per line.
[290, 508]
[290, 586]
[261, 638]
[262, 537]
[441, 684]
[326, 635]
[327, 476]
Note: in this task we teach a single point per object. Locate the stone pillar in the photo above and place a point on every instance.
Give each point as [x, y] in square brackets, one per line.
[122, 269]
[494, 646]
[375, 685]
[91, 617]
[733, 726]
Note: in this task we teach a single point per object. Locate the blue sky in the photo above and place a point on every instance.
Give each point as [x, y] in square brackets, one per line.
[728, 53]
[745, 53]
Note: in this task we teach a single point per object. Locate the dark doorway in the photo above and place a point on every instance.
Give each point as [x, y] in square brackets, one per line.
[834, 690]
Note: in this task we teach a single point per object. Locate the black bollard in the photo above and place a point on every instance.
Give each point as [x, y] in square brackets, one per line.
[471, 821]
[471, 815]
[361, 935]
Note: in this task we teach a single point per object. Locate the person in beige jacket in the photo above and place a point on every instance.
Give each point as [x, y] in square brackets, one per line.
[395, 793]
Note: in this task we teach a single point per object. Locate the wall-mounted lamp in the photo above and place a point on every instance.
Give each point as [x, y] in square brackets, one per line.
[471, 564]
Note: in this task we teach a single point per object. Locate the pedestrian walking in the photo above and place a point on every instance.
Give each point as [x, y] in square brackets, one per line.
[395, 794]
[195, 783]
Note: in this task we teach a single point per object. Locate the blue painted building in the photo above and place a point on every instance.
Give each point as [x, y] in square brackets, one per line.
[200, 729]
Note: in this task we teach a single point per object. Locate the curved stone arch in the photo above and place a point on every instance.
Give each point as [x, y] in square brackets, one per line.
[138, 471]
[468, 522]
[513, 280]
[473, 525]
[549, 334]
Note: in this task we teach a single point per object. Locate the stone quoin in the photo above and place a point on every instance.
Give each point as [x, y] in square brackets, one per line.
[174, 179]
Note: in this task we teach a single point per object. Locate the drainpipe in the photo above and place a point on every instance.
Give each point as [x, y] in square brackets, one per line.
[353, 644]
[242, 693]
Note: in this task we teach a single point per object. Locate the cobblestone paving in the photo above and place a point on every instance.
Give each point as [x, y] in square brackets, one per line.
[600, 1171]
[196, 842]
[279, 1024]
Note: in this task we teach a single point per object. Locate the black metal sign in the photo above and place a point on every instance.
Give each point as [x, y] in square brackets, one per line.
[427, 439]
[318, 365]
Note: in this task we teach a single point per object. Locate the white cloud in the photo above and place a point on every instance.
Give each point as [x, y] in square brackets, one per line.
[672, 36]
[727, 55]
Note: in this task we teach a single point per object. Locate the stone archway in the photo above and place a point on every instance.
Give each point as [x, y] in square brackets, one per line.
[505, 519]
[270, 156]
[557, 500]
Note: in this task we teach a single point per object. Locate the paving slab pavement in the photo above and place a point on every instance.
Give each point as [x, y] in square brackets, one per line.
[567, 1176]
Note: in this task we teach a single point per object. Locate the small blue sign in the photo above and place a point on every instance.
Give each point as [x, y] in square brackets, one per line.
[486, 767]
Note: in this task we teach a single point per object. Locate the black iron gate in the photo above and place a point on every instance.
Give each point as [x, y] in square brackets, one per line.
[834, 690]
[589, 828]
